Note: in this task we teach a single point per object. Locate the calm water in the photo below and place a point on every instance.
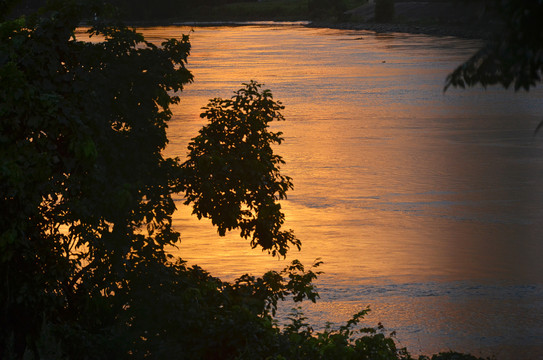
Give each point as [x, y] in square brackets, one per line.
[424, 205]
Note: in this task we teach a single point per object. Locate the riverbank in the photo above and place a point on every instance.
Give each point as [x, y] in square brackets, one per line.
[462, 31]
[464, 20]
[447, 18]
[468, 31]
[472, 20]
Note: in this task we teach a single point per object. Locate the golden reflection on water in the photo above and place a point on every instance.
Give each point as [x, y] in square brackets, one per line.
[395, 182]
[408, 195]
[392, 177]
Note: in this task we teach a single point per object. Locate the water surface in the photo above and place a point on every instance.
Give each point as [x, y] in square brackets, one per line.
[423, 204]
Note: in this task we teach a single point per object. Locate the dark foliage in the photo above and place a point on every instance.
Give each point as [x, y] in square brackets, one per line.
[86, 207]
[85, 190]
[514, 57]
[232, 174]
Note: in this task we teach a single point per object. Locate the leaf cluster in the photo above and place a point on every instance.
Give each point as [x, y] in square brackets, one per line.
[86, 206]
[85, 191]
[232, 175]
[514, 57]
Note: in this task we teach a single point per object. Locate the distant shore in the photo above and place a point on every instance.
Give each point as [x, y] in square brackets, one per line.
[463, 31]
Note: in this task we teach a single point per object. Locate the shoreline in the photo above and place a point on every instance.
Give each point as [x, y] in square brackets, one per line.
[465, 31]
[461, 31]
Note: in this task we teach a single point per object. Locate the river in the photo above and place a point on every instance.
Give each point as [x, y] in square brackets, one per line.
[425, 205]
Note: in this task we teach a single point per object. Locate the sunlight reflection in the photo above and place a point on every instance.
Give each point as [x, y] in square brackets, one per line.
[409, 195]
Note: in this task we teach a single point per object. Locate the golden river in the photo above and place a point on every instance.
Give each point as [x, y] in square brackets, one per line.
[425, 205]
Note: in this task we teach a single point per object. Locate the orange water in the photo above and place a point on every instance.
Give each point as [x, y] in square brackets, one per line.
[426, 206]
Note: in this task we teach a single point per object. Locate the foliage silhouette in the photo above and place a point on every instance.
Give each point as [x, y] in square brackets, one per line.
[513, 57]
[86, 204]
[232, 174]
[86, 193]
[86, 208]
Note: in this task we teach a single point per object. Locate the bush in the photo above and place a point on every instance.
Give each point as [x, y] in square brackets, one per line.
[87, 208]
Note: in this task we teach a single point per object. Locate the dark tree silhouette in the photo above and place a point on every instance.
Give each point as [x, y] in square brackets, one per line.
[514, 57]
